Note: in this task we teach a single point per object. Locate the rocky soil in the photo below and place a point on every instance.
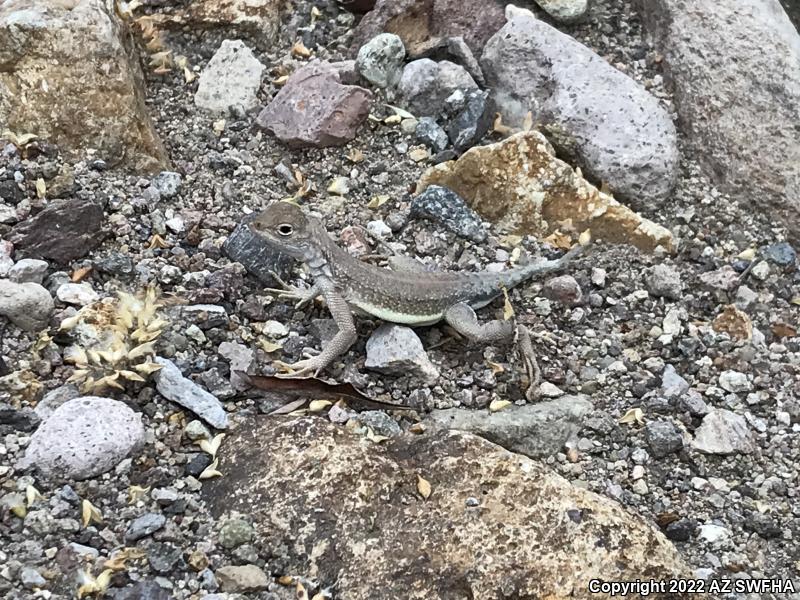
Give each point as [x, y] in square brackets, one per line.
[671, 364]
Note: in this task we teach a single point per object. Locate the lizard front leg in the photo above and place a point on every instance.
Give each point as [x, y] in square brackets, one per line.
[302, 296]
[340, 343]
[463, 319]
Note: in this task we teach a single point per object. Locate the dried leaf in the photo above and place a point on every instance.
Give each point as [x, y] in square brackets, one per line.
[498, 127]
[211, 446]
[300, 592]
[355, 155]
[585, 238]
[136, 493]
[161, 60]
[80, 274]
[634, 415]
[268, 346]
[339, 186]
[559, 239]
[147, 368]
[393, 120]
[498, 405]
[188, 75]
[418, 428]
[32, 495]
[299, 50]
[318, 596]
[527, 122]
[285, 580]
[141, 351]
[211, 471]
[423, 487]
[400, 112]
[316, 406]
[75, 355]
[496, 368]
[314, 388]
[116, 562]
[157, 242]
[41, 188]
[90, 513]
[378, 201]
[749, 254]
[508, 310]
[375, 438]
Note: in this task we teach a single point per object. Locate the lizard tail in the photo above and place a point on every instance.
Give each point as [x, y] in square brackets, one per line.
[542, 267]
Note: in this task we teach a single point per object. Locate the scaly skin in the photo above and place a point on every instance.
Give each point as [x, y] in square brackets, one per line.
[411, 298]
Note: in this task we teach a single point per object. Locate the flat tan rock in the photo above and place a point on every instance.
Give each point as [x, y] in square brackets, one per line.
[522, 187]
[495, 525]
[70, 75]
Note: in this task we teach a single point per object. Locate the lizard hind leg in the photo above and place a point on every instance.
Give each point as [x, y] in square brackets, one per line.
[463, 319]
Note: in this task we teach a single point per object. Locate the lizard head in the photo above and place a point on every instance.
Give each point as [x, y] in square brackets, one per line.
[285, 226]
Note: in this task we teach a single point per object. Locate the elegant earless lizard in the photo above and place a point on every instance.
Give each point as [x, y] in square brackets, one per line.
[411, 298]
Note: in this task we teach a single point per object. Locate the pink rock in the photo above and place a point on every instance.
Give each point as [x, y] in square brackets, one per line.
[315, 109]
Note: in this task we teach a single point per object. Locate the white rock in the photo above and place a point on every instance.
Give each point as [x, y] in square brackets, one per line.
[79, 294]
[27, 305]
[564, 11]
[396, 350]
[734, 382]
[723, 432]
[713, 533]
[548, 390]
[85, 437]
[28, 270]
[380, 60]
[232, 78]
[379, 229]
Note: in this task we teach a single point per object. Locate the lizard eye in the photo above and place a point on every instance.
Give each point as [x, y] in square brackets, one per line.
[285, 229]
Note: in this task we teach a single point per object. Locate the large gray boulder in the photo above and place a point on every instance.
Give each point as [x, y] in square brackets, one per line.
[605, 121]
[735, 69]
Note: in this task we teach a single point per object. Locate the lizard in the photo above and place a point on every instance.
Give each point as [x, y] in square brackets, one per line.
[350, 285]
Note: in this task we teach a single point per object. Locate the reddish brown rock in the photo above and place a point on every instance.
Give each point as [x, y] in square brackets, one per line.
[315, 109]
[416, 22]
[69, 73]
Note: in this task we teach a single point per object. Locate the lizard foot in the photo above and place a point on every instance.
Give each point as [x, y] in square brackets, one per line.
[302, 369]
[525, 347]
[289, 291]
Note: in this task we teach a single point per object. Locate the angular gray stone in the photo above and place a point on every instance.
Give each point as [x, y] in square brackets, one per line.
[380, 60]
[231, 79]
[240, 358]
[563, 288]
[723, 432]
[144, 525]
[663, 438]
[168, 183]
[171, 384]
[314, 109]
[396, 350]
[28, 305]
[734, 382]
[28, 270]
[535, 430]
[83, 438]
[55, 398]
[431, 134]
[443, 205]
[672, 384]
[616, 131]
[426, 84]
[665, 281]
[734, 66]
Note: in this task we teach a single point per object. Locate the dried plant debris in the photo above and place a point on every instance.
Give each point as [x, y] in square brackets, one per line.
[318, 389]
[124, 332]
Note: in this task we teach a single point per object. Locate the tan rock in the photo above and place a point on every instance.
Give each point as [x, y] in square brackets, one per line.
[69, 73]
[522, 187]
[352, 513]
[260, 18]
